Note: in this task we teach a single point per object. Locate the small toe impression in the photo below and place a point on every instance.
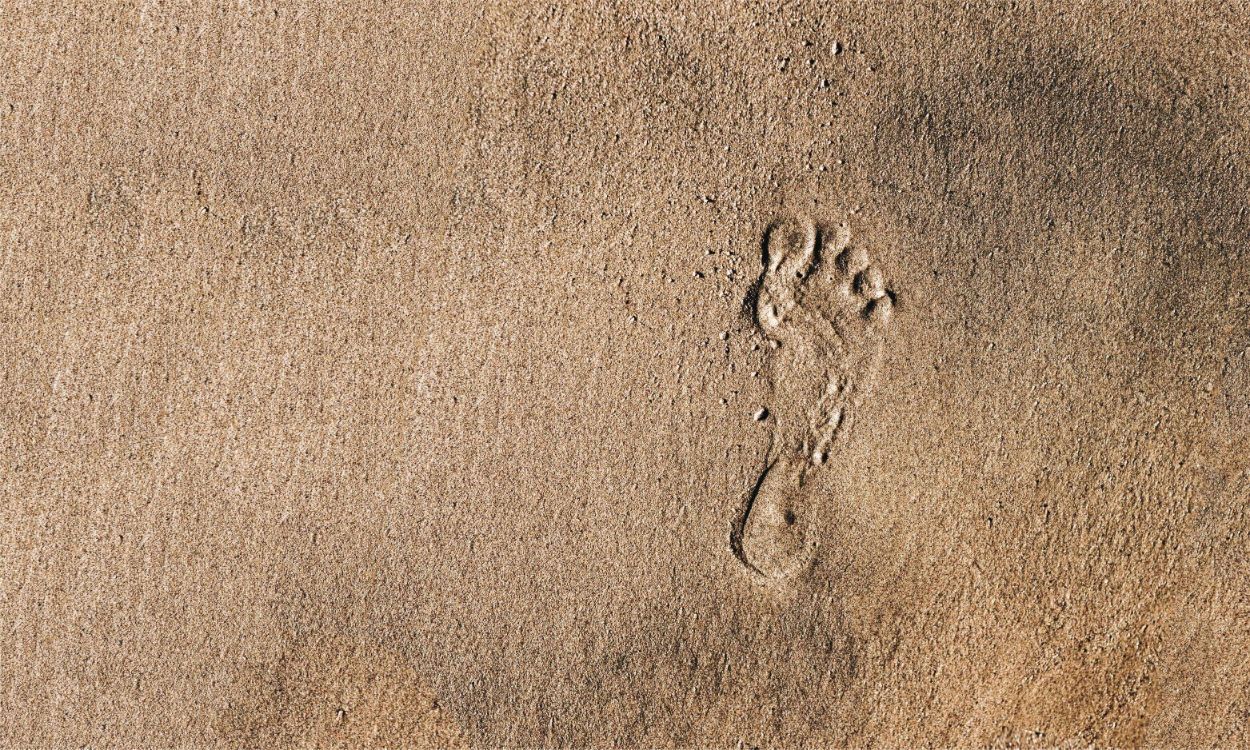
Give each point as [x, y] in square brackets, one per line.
[853, 260]
[870, 284]
[881, 309]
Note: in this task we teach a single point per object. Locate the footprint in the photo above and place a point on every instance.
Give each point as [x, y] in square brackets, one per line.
[825, 320]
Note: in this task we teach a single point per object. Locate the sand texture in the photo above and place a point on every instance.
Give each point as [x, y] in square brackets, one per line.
[640, 374]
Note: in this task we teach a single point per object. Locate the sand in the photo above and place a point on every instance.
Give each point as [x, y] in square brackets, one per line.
[624, 374]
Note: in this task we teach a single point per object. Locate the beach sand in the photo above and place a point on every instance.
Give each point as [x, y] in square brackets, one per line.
[624, 374]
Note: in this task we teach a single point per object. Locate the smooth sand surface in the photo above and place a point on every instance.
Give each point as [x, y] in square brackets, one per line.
[666, 374]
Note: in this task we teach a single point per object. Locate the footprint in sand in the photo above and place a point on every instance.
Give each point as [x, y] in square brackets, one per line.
[824, 308]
